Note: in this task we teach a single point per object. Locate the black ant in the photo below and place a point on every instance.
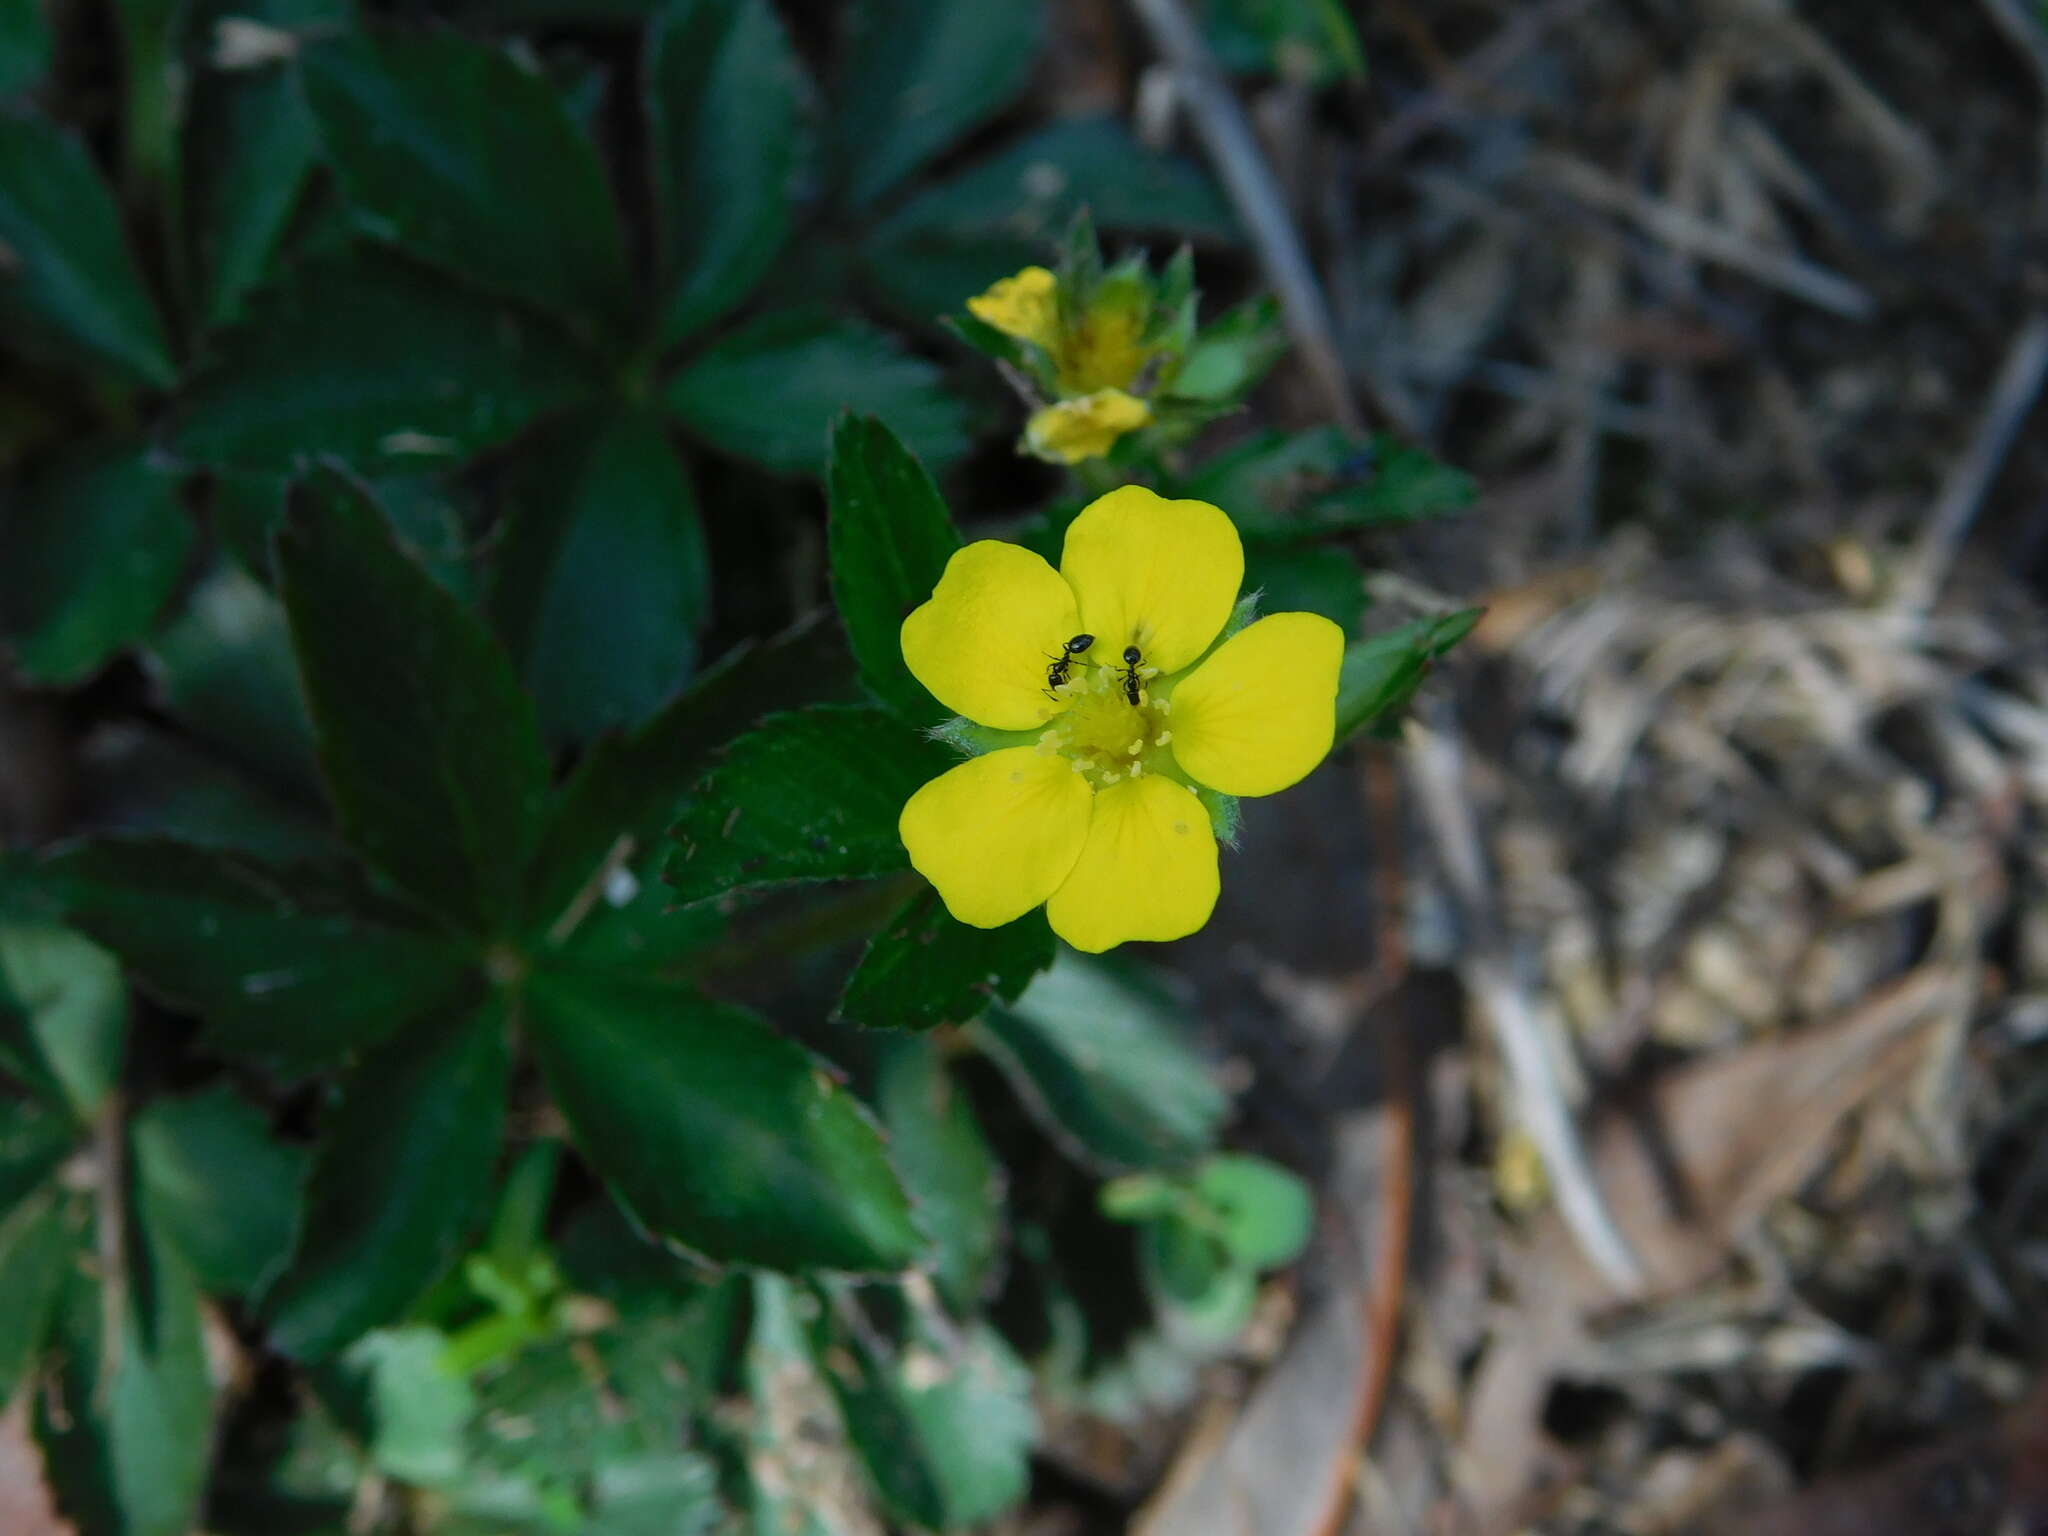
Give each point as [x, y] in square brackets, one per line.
[1132, 656]
[1056, 674]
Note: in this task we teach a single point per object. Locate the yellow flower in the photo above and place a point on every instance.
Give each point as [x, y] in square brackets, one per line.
[1095, 813]
[1087, 428]
[1026, 306]
[1105, 350]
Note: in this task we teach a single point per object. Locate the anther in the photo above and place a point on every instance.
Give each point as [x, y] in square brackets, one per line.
[1162, 738]
[1136, 746]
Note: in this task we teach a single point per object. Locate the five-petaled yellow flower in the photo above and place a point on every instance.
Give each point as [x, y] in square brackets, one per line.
[1093, 812]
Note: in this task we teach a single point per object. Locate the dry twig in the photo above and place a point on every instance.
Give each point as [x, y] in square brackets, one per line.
[1255, 191]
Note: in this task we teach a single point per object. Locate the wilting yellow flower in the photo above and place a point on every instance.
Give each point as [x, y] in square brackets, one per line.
[1087, 428]
[1095, 813]
[1026, 306]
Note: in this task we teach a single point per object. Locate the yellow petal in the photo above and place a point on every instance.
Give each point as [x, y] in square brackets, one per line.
[1160, 575]
[999, 833]
[1259, 714]
[1147, 872]
[993, 624]
[1086, 428]
[1025, 306]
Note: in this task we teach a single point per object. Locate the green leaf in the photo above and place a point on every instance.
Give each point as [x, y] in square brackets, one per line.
[34, 1139]
[1380, 675]
[1307, 484]
[1207, 1300]
[1306, 578]
[811, 795]
[950, 242]
[363, 356]
[39, 1240]
[71, 290]
[953, 1177]
[223, 667]
[455, 151]
[1311, 42]
[803, 1478]
[890, 537]
[914, 75]
[1034, 187]
[725, 101]
[769, 391]
[88, 559]
[718, 1134]
[1101, 1058]
[26, 45]
[926, 968]
[603, 582]
[225, 1190]
[945, 1424]
[401, 1178]
[1262, 1213]
[77, 1008]
[429, 746]
[420, 1408]
[632, 787]
[250, 151]
[287, 964]
[127, 1421]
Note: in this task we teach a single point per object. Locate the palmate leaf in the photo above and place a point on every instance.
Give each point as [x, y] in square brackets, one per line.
[716, 1133]
[944, 1423]
[1380, 675]
[226, 1191]
[770, 391]
[925, 968]
[726, 103]
[916, 74]
[1100, 1056]
[290, 965]
[455, 151]
[429, 746]
[628, 789]
[88, 558]
[811, 795]
[40, 1238]
[26, 44]
[890, 537]
[251, 150]
[73, 1010]
[364, 356]
[127, 1423]
[71, 293]
[401, 1178]
[603, 581]
[952, 1175]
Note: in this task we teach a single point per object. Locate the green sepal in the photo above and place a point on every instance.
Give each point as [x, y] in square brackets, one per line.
[1224, 816]
[963, 735]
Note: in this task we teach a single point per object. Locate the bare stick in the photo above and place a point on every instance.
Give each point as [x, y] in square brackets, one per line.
[1437, 777]
[1255, 191]
[1691, 235]
[1476, 70]
[1387, 1286]
[2012, 399]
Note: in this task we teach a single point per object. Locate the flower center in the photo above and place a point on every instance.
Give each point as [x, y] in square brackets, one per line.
[1102, 733]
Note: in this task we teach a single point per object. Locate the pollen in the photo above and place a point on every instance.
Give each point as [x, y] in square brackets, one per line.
[1102, 733]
